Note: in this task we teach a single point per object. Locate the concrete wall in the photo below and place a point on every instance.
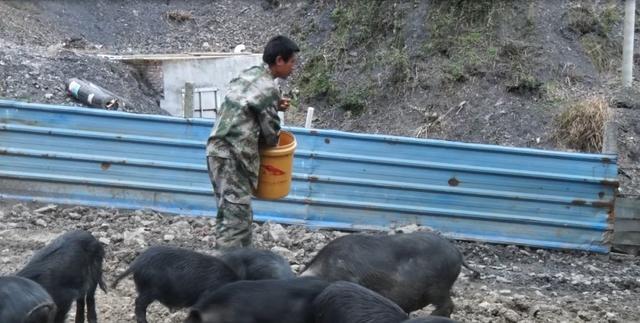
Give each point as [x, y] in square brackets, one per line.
[202, 72]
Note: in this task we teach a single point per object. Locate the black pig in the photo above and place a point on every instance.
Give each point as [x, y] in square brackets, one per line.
[413, 270]
[69, 269]
[255, 264]
[259, 301]
[175, 277]
[345, 302]
[23, 300]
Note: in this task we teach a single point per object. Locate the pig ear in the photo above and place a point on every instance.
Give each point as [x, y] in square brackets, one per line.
[42, 313]
[194, 317]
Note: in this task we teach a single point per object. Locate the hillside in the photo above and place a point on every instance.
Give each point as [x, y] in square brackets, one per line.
[528, 74]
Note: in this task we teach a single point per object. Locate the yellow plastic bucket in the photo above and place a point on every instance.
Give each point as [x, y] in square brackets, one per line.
[276, 167]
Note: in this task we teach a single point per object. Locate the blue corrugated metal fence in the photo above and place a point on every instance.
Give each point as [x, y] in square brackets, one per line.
[341, 180]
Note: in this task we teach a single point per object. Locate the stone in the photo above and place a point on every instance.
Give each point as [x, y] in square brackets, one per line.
[135, 237]
[44, 209]
[511, 316]
[284, 252]
[408, 228]
[168, 237]
[277, 233]
[40, 222]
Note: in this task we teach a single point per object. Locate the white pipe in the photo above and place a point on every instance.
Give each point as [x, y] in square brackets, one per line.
[309, 120]
[627, 50]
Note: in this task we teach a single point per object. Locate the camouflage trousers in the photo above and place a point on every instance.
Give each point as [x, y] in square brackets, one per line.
[232, 189]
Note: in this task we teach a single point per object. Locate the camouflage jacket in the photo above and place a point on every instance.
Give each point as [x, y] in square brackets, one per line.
[247, 119]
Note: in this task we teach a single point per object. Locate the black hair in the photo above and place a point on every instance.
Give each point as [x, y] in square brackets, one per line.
[279, 46]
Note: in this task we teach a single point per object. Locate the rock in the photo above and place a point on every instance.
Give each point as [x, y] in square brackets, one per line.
[627, 99]
[40, 222]
[199, 223]
[147, 223]
[50, 207]
[277, 233]
[182, 225]
[306, 237]
[484, 305]
[105, 241]
[135, 237]
[583, 315]
[284, 252]
[75, 216]
[408, 228]
[534, 310]
[511, 316]
[117, 237]
[318, 237]
[503, 280]
[239, 48]
[48, 96]
[505, 292]
[594, 269]
[169, 237]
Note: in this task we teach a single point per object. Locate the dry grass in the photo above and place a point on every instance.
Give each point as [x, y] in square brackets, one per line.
[580, 126]
[179, 15]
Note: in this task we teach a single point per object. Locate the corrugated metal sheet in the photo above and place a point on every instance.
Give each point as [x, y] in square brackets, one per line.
[341, 180]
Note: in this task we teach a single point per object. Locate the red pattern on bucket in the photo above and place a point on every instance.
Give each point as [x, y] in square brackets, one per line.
[273, 170]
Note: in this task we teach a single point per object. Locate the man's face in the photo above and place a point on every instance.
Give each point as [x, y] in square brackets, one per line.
[285, 68]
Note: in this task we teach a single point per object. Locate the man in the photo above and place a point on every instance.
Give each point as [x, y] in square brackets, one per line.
[247, 119]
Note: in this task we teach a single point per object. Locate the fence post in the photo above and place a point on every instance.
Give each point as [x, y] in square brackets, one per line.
[627, 48]
[309, 120]
[187, 107]
[609, 138]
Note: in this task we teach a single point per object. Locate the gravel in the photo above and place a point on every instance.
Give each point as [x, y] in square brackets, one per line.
[518, 284]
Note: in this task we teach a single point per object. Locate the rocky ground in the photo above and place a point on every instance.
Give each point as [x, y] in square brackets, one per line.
[517, 284]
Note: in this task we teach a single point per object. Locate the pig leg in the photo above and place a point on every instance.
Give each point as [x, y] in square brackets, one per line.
[61, 315]
[142, 302]
[443, 303]
[92, 317]
[80, 310]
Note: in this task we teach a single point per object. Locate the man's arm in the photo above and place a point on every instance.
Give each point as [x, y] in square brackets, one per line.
[269, 125]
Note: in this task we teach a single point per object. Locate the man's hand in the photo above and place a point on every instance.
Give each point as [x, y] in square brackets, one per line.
[283, 104]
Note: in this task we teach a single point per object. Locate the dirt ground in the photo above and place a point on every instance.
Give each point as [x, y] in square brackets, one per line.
[517, 284]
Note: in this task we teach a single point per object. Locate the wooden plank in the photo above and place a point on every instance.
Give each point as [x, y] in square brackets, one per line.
[627, 224]
[627, 238]
[627, 208]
